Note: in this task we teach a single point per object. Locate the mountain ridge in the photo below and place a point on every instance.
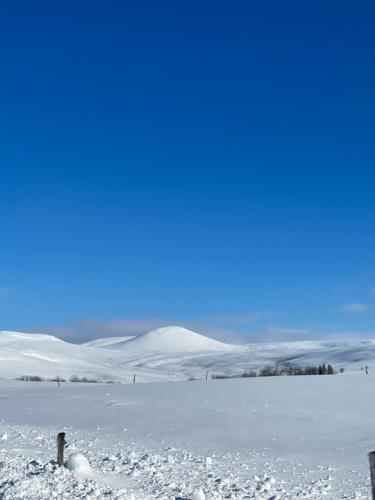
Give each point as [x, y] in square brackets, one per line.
[168, 353]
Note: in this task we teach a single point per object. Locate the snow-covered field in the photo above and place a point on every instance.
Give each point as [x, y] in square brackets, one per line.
[264, 438]
[171, 353]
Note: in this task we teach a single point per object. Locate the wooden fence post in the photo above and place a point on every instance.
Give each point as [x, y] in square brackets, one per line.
[60, 447]
[371, 457]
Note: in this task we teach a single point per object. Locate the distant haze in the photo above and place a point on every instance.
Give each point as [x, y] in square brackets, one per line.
[257, 327]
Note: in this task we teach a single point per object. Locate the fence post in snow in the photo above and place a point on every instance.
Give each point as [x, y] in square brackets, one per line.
[60, 447]
[134, 379]
[371, 457]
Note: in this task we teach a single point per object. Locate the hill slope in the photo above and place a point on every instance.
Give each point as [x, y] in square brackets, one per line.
[107, 342]
[47, 356]
[171, 339]
[171, 353]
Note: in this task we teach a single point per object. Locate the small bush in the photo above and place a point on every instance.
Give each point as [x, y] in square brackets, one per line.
[269, 371]
[31, 378]
[75, 378]
[250, 374]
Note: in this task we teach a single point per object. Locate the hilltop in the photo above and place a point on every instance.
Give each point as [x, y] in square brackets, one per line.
[169, 353]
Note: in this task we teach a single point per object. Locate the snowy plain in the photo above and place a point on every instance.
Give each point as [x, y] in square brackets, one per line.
[263, 438]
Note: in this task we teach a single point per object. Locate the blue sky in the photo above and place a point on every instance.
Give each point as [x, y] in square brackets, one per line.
[209, 164]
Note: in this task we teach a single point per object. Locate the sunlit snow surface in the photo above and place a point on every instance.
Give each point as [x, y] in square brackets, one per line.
[171, 353]
[264, 438]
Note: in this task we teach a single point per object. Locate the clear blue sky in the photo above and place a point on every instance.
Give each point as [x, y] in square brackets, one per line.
[203, 163]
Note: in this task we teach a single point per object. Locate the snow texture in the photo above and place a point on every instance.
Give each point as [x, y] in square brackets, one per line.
[264, 438]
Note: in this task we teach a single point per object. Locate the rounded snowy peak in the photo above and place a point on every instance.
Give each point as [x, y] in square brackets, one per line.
[173, 339]
[7, 336]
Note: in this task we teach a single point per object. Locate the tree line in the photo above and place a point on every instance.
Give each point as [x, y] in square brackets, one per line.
[283, 369]
[73, 378]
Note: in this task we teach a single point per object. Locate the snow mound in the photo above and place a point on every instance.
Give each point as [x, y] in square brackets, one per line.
[175, 339]
[199, 494]
[78, 463]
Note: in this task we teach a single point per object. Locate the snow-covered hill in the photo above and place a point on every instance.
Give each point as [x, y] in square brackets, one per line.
[172, 339]
[108, 342]
[47, 356]
[170, 353]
